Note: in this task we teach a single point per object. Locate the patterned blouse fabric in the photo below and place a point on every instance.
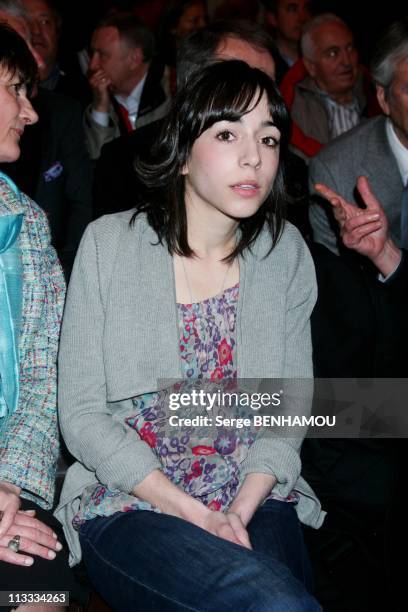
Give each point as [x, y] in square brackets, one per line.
[203, 460]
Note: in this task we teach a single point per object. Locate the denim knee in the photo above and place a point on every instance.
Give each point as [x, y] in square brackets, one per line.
[255, 587]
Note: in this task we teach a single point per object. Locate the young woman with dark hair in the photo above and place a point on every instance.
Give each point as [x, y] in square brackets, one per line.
[204, 282]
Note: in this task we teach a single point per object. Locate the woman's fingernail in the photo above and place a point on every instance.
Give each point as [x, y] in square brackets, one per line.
[59, 546]
[51, 554]
[28, 561]
[54, 535]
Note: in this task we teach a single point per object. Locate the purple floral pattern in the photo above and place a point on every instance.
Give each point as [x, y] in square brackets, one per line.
[204, 461]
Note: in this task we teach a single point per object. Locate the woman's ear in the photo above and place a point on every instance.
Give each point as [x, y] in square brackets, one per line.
[184, 170]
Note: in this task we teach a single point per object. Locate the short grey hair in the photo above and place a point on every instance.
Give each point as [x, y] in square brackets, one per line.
[14, 8]
[392, 48]
[307, 44]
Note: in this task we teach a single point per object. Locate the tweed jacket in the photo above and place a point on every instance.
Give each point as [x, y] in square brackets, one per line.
[364, 151]
[29, 439]
[120, 338]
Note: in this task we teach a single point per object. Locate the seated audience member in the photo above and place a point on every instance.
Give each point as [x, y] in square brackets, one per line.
[361, 481]
[378, 148]
[182, 18]
[31, 300]
[116, 185]
[285, 19]
[359, 330]
[127, 84]
[45, 26]
[54, 166]
[13, 13]
[327, 91]
[212, 525]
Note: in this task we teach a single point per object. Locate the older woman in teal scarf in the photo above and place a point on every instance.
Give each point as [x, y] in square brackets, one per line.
[31, 301]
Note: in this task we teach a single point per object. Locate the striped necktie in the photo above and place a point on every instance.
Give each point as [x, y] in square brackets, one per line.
[404, 217]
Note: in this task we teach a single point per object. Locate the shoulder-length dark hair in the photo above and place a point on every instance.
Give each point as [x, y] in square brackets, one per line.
[16, 58]
[226, 90]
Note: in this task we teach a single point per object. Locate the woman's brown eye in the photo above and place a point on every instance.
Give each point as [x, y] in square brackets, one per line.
[225, 135]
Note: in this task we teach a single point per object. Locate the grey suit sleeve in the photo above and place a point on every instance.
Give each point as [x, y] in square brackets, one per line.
[98, 135]
[119, 458]
[320, 216]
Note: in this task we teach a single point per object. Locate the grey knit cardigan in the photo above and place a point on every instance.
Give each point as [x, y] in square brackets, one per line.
[120, 338]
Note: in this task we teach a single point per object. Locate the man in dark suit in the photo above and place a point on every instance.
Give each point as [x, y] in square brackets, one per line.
[129, 88]
[45, 24]
[378, 148]
[54, 169]
[359, 330]
[54, 166]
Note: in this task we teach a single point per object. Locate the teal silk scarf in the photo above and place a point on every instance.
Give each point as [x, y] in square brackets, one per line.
[11, 298]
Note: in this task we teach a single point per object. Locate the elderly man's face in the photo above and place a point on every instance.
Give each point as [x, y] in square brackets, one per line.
[395, 104]
[235, 48]
[44, 33]
[21, 27]
[334, 64]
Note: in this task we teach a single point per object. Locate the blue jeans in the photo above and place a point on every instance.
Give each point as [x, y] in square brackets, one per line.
[141, 561]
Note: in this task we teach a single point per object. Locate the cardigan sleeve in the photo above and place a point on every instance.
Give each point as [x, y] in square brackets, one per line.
[29, 443]
[119, 458]
[278, 454]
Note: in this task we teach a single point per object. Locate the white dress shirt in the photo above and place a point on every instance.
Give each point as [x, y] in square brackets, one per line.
[131, 103]
[399, 151]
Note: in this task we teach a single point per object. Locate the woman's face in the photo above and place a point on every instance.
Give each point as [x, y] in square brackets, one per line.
[233, 164]
[15, 113]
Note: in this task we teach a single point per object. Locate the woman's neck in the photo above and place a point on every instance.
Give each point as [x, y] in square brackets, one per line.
[211, 236]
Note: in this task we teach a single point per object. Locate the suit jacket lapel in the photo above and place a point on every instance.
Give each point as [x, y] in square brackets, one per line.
[380, 166]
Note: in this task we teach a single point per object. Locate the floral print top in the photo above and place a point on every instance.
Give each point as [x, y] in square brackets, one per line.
[202, 460]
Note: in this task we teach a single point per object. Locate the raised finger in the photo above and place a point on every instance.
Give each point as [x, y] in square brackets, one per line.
[9, 556]
[334, 198]
[367, 194]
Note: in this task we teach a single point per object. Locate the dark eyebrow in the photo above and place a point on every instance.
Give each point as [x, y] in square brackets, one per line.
[268, 123]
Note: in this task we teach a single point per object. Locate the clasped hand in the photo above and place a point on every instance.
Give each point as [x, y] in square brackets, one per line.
[36, 538]
[228, 526]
